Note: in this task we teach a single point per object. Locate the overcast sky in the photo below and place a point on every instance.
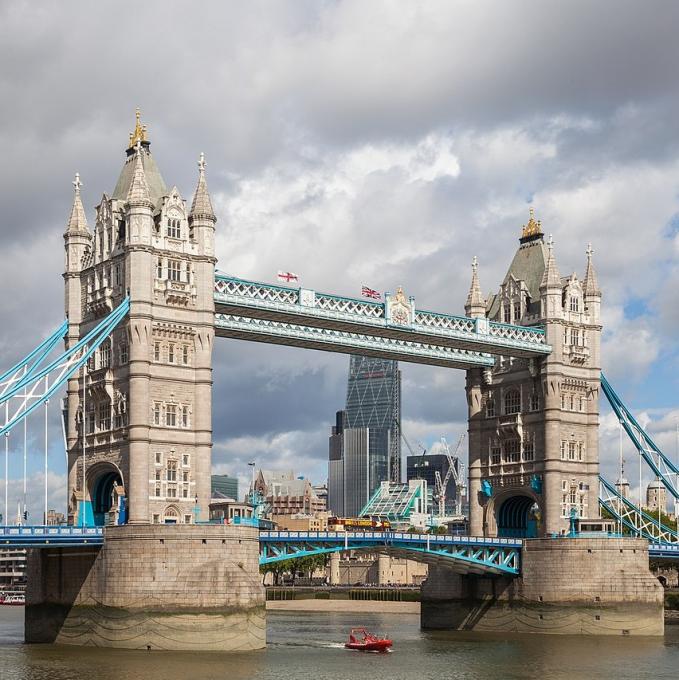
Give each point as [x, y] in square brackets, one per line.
[378, 143]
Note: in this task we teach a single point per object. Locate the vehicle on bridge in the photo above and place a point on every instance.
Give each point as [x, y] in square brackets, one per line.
[358, 524]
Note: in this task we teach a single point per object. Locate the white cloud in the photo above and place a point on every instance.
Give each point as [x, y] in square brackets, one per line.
[629, 346]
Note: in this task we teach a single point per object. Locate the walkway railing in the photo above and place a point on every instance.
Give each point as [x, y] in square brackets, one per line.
[46, 536]
[308, 308]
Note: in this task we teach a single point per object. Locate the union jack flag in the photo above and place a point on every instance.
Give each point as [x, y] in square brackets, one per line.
[370, 293]
[287, 277]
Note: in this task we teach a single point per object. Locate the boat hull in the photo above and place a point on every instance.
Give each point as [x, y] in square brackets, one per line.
[376, 646]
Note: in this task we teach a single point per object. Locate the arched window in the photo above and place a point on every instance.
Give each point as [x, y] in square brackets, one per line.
[171, 515]
[512, 401]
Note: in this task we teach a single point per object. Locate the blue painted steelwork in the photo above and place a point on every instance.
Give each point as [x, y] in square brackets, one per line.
[465, 554]
[65, 365]
[334, 340]
[662, 466]
[241, 300]
[22, 370]
[664, 551]
[514, 518]
[635, 519]
[50, 536]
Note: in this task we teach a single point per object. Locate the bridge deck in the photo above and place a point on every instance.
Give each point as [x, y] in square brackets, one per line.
[463, 554]
[260, 311]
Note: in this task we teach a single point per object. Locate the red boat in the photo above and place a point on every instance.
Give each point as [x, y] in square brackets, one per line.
[361, 639]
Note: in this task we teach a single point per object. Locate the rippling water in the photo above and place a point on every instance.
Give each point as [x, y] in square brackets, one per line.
[304, 646]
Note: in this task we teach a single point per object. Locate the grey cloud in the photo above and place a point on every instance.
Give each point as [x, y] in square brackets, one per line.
[572, 104]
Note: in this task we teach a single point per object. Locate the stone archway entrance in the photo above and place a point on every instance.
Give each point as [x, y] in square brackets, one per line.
[102, 493]
[517, 518]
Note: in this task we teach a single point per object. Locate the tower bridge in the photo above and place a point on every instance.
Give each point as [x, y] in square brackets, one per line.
[143, 308]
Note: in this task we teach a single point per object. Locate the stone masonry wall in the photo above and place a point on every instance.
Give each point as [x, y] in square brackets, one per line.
[156, 586]
[567, 586]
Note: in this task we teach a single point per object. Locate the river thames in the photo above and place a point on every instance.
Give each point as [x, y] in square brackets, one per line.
[309, 646]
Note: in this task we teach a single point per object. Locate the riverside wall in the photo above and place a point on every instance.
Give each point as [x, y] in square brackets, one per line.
[592, 586]
[180, 587]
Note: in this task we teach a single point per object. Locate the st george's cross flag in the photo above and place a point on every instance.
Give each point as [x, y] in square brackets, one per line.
[288, 277]
[369, 292]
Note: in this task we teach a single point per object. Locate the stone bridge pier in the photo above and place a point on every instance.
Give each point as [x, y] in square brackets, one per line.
[179, 587]
[568, 586]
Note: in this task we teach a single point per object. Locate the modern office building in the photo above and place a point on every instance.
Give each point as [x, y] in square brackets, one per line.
[426, 467]
[364, 445]
[223, 486]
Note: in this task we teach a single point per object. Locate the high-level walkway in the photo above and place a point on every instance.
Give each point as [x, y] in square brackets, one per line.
[300, 317]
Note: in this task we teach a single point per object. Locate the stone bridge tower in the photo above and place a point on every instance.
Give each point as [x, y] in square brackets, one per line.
[145, 415]
[534, 424]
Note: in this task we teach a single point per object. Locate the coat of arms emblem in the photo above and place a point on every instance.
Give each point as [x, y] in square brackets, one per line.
[399, 309]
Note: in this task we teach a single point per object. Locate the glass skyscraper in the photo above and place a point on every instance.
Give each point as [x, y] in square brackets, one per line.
[365, 446]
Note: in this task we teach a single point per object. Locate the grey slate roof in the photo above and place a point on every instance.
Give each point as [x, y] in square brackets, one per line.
[156, 184]
[528, 265]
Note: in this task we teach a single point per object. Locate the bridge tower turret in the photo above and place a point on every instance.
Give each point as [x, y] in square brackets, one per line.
[533, 423]
[146, 421]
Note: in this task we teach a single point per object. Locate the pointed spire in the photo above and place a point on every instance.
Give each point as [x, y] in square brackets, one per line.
[591, 285]
[139, 188]
[475, 305]
[551, 277]
[201, 208]
[77, 222]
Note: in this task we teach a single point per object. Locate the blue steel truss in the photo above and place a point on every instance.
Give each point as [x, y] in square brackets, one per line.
[31, 385]
[293, 313]
[639, 522]
[464, 554]
[662, 466]
[332, 340]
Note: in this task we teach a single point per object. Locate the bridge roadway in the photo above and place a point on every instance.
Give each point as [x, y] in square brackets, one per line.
[262, 312]
[463, 554]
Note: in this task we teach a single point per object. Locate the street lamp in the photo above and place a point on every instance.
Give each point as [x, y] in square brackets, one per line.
[252, 483]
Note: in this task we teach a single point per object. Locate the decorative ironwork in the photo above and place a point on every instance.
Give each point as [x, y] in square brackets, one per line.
[335, 340]
[466, 554]
[633, 518]
[333, 303]
[371, 318]
[255, 291]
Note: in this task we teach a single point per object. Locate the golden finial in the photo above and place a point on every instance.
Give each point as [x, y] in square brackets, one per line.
[139, 134]
[533, 228]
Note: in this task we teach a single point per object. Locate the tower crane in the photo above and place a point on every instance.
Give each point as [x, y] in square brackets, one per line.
[407, 443]
[457, 472]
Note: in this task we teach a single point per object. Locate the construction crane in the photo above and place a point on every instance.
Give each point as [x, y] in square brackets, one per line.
[455, 471]
[407, 443]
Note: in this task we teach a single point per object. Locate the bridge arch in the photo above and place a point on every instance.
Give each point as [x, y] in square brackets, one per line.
[102, 480]
[517, 516]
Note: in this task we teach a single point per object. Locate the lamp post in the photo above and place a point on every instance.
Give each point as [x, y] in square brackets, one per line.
[196, 510]
[251, 464]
